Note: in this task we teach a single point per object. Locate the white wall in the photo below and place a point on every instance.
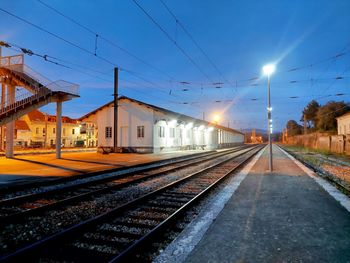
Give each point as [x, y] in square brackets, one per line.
[131, 114]
[344, 125]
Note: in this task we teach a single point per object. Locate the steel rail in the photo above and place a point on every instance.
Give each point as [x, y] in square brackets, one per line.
[25, 253]
[140, 244]
[18, 188]
[320, 173]
[80, 197]
[127, 171]
[29, 197]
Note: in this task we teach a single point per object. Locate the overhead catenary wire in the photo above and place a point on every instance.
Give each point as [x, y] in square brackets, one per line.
[107, 40]
[73, 44]
[178, 22]
[338, 55]
[29, 52]
[173, 41]
[341, 53]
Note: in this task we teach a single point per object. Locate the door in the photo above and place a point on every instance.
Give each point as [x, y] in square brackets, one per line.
[124, 135]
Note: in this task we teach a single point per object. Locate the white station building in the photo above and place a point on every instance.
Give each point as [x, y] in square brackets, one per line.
[147, 128]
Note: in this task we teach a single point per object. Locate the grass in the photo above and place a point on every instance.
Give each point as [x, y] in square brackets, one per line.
[327, 153]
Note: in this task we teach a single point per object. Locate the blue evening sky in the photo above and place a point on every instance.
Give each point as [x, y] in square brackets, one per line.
[238, 36]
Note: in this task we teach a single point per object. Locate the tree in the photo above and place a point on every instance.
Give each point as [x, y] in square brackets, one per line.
[310, 114]
[293, 128]
[327, 114]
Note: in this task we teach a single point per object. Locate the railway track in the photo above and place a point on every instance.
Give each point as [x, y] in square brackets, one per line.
[116, 235]
[27, 188]
[320, 172]
[20, 207]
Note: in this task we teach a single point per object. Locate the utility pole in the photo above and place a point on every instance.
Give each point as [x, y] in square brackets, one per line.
[269, 123]
[115, 129]
[2, 106]
[46, 119]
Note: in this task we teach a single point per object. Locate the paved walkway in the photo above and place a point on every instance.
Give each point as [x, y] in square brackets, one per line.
[42, 166]
[284, 216]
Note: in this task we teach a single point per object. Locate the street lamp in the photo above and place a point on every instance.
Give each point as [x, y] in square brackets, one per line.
[268, 70]
[216, 118]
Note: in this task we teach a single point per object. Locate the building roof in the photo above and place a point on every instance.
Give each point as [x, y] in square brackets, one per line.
[21, 125]
[37, 115]
[156, 108]
[344, 115]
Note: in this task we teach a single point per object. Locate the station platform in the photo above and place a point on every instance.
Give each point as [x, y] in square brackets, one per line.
[283, 216]
[38, 167]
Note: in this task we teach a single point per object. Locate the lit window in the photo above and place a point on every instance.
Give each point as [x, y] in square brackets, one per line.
[172, 132]
[108, 132]
[140, 131]
[161, 131]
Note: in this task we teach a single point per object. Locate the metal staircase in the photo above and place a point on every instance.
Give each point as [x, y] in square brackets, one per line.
[32, 89]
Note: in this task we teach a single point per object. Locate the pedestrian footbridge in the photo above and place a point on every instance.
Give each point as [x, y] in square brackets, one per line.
[24, 90]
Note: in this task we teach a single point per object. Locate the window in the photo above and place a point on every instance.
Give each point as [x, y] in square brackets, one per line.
[140, 131]
[108, 132]
[172, 132]
[51, 142]
[37, 130]
[73, 131]
[161, 131]
[64, 131]
[44, 130]
[53, 130]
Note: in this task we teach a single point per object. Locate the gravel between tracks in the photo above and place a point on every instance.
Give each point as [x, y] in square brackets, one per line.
[36, 227]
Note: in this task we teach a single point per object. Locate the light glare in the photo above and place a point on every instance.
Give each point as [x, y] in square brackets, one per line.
[269, 69]
[216, 117]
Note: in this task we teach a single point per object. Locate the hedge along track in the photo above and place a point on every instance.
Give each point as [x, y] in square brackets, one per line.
[23, 228]
[18, 208]
[117, 234]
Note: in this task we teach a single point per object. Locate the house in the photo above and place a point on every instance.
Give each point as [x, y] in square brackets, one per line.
[22, 134]
[143, 127]
[43, 130]
[344, 124]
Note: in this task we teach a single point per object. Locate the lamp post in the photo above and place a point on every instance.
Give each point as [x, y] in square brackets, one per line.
[268, 70]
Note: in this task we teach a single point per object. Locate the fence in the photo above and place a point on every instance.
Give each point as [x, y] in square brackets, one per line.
[323, 141]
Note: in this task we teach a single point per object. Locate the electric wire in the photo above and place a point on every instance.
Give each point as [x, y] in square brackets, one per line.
[74, 45]
[112, 43]
[172, 40]
[178, 22]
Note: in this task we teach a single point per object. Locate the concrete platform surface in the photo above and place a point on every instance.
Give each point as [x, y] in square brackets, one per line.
[42, 166]
[283, 216]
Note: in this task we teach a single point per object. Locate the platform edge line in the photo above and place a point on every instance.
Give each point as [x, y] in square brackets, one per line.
[343, 199]
[178, 250]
